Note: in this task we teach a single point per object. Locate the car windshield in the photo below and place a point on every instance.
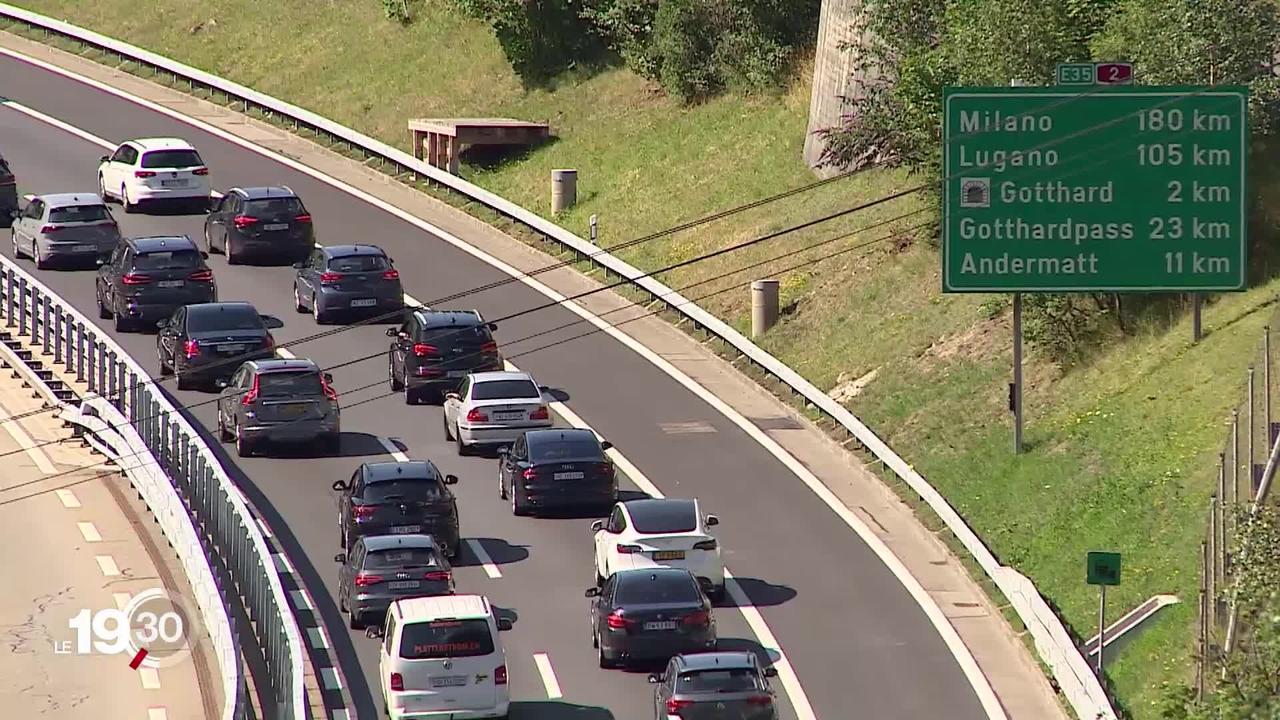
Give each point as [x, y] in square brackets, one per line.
[505, 389]
[269, 207]
[644, 588]
[411, 489]
[459, 335]
[171, 159]
[300, 383]
[167, 260]
[358, 263]
[445, 638]
[78, 213]
[732, 680]
[400, 558]
[223, 318]
[565, 448]
[664, 516]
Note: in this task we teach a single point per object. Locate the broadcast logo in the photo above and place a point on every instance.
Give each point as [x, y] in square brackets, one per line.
[155, 630]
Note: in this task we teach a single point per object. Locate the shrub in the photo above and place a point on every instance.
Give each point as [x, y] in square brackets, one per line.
[540, 38]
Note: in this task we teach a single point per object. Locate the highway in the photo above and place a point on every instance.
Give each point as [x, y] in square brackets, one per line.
[853, 635]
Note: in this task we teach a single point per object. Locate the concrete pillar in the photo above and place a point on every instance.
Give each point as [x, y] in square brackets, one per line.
[454, 149]
[764, 306]
[837, 73]
[564, 190]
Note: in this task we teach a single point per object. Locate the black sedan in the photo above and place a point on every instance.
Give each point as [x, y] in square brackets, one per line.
[207, 342]
[714, 686]
[650, 615]
[399, 498]
[384, 568]
[557, 468]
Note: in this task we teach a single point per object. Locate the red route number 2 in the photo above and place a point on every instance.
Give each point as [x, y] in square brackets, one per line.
[1114, 73]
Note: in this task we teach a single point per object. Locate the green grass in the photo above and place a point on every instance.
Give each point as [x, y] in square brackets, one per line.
[1121, 450]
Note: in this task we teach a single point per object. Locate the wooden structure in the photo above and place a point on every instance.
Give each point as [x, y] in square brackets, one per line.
[440, 141]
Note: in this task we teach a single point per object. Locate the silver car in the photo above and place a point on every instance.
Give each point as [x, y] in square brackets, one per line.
[494, 408]
[74, 227]
[278, 401]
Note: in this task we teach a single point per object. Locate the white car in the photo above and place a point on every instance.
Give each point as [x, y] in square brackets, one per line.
[667, 532]
[153, 169]
[494, 408]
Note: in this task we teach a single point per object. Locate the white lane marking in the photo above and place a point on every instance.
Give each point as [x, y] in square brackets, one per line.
[121, 600]
[266, 531]
[157, 713]
[393, 450]
[150, 678]
[68, 499]
[318, 637]
[107, 565]
[282, 563]
[286, 353]
[300, 600]
[979, 683]
[331, 679]
[65, 127]
[89, 531]
[20, 436]
[548, 674]
[486, 562]
[340, 714]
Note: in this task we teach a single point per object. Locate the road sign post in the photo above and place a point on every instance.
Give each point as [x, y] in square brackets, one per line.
[1102, 569]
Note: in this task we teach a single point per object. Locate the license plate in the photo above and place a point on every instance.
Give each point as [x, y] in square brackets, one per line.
[170, 283]
[231, 348]
[662, 625]
[669, 555]
[406, 529]
[403, 585]
[508, 416]
[449, 681]
[569, 476]
[459, 373]
[292, 410]
[363, 303]
[173, 183]
[84, 248]
[275, 226]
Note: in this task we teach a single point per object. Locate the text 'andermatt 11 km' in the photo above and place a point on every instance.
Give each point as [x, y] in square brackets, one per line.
[1134, 189]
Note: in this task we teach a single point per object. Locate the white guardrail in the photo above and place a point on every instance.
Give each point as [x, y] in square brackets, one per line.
[198, 507]
[1074, 677]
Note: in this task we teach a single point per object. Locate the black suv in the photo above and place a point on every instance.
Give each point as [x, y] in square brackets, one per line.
[399, 498]
[147, 278]
[259, 221]
[433, 350]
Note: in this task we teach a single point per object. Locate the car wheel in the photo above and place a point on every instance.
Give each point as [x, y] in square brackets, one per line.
[718, 594]
[184, 381]
[448, 431]
[41, 263]
[102, 190]
[103, 312]
[208, 242]
[297, 300]
[244, 448]
[463, 448]
[604, 660]
[165, 369]
[396, 385]
[129, 207]
[122, 323]
[320, 316]
[354, 620]
[502, 489]
[412, 396]
[233, 258]
[224, 435]
[517, 508]
[17, 253]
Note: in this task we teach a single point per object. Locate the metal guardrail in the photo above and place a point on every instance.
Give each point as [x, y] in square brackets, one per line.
[200, 510]
[1074, 677]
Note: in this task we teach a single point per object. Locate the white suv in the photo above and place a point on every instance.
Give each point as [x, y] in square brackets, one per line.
[441, 657]
[153, 169]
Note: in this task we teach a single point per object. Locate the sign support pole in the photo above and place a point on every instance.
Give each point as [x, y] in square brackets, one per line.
[1016, 399]
[1102, 625]
[1196, 303]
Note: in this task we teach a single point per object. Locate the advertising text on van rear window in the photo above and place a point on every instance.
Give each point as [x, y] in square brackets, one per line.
[463, 638]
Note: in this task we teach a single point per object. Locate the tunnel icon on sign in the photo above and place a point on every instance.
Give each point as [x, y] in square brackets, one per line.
[975, 192]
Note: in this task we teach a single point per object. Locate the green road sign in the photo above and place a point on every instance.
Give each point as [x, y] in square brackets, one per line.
[1103, 568]
[1076, 74]
[1121, 188]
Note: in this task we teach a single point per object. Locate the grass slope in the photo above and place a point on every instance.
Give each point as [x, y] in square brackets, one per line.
[1121, 450]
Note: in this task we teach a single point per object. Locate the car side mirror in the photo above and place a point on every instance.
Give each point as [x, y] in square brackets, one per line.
[592, 592]
[597, 526]
[299, 265]
[771, 672]
[104, 158]
[328, 377]
[15, 213]
[392, 332]
[340, 558]
[544, 389]
[272, 322]
[373, 631]
[162, 323]
[654, 679]
[712, 521]
[204, 255]
[493, 326]
[450, 479]
[606, 445]
[221, 383]
[505, 624]
[504, 450]
[339, 485]
[452, 396]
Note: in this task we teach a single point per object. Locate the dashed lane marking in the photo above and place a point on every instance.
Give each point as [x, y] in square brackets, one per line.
[89, 531]
[121, 599]
[150, 678]
[68, 498]
[486, 562]
[330, 678]
[107, 565]
[318, 637]
[157, 713]
[548, 674]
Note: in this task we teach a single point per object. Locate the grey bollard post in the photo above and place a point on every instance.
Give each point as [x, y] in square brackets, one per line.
[564, 190]
[764, 306]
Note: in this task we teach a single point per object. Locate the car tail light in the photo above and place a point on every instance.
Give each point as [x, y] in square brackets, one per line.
[760, 700]
[330, 277]
[191, 349]
[49, 228]
[329, 392]
[617, 621]
[675, 707]
[397, 682]
[303, 218]
[365, 579]
[477, 415]
[252, 395]
[606, 469]
[200, 171]
[363, 512]
[425, 350]
[529, 473]
[540, 414]
[268, 342]
[205, 275]
[705, 545]
[500, 675]
[134, 279]
[489, 347]
[701, 617]
[143, 173]
[391, 275]
[438, 576]
[243, 221]
[628, 549]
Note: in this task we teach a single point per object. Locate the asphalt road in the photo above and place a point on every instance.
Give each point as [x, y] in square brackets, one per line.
[854, 636]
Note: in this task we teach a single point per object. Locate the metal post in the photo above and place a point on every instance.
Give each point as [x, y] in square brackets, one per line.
[22, 306]
[57, 335]
[1252, 430]
[79, 352]
[1266, 380]
[1017, 382]
[595, 230]
[8, 297]
[35, 316]
[1203, 658]
[1235, 451]
[1102, 625]
[1196, 331]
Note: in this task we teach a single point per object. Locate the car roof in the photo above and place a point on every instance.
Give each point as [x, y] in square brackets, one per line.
[412, 469]
[157, 243]
[553, 434]
[349, 250]
[264, 192]
[660, 507]
[461, 607]
[446, 318]
[162, 143]
[495, 375]
[717, 660]
[280, 365]
[374, 543]
[55, 200]
[221, 307]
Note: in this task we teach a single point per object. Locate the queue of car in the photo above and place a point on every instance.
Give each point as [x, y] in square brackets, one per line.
[657, 563]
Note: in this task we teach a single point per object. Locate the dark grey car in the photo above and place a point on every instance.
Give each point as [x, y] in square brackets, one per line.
[714, 686]
[147, 278]
[207, 342]
[65, 227]
[278, 401]
[347, 280]
[650, 615]
[259, 222]
[8, 193]
[399, 498]
[383, 568]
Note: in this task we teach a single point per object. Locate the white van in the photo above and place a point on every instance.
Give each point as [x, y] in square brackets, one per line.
[442, 657]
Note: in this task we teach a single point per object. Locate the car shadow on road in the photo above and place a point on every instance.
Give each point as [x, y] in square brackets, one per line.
[556, 395]
[759, 593]
[557, 710]
[629, 495]
[500, 552]
[350, 444]
[172, 209]
[765, 655]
